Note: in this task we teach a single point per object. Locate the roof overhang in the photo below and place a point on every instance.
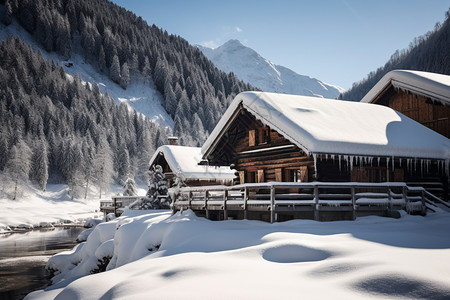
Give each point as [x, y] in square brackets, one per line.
[430, 85]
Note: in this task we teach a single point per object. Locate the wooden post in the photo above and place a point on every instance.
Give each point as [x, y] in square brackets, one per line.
[424, 208]
[391, 205]
[353, 202]
[405, 197]
[206, 203]
[245, 202]
[272, 204]
[189, 199]
[316, 204]
[225, 198]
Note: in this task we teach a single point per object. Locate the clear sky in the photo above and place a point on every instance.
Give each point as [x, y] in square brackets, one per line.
[336, 41]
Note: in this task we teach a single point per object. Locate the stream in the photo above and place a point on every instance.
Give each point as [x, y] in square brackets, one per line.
[23, 257]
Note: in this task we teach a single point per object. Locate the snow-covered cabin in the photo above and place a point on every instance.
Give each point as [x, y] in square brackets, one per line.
[185, 162]
[277, 137]
[422, 96]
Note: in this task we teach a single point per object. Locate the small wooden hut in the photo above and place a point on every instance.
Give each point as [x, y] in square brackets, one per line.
[186, 163]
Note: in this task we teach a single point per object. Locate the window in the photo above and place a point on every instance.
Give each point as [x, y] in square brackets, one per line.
[251, 176]
[255, 176]
[297, 175]
[259, 136]
[264, 135]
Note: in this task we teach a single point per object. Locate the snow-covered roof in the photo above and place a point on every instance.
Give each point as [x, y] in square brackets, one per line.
[430, 85]
[184, 161]
[325, 126]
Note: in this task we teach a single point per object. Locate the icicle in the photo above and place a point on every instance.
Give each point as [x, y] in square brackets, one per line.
[351, 163]
[447, 167]
[315, 165]
[378, 161]
[393, 164]
[340, 158]
[387, 162]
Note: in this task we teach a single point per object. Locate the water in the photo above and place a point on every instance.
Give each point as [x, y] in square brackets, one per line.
[23, 257]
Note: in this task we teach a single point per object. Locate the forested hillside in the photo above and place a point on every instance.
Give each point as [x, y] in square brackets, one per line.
[56, 127]
[53, 124]
[428, 53]
[119, 43]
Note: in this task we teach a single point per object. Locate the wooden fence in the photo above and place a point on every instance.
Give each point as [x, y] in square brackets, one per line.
[282, 200]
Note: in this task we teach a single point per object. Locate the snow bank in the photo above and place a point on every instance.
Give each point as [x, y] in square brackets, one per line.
[159, 256]
[45, 209]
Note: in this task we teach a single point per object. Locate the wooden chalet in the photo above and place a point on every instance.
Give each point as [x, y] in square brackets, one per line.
[305, 141]
[186, 163]
[287, 138]
[422, 96]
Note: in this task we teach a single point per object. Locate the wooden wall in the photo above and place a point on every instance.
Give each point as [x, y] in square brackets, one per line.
[433, 115]
[257, 161]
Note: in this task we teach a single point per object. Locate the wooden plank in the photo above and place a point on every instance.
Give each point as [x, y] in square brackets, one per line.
[304, 174]
[241, 177]
[252, 138]
[260, 176]
[278, 174]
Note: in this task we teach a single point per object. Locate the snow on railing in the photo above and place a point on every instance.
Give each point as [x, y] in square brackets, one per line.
[316, 196]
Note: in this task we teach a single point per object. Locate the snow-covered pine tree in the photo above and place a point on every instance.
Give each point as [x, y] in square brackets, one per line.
[125, 76]
[18, 166]
[39, 163]
[129, 186]
[157, 194]
[103, 165]
[114, 71]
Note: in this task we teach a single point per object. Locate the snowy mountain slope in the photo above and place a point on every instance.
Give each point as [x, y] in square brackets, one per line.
[249, 66]
[139, 95]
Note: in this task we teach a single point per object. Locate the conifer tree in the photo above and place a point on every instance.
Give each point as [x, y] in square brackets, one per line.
[19, 164]
[130, 188]
[114, 70]
[125, 76]
[39, 166]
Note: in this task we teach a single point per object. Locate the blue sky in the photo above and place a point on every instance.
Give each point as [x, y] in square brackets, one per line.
[338, 42]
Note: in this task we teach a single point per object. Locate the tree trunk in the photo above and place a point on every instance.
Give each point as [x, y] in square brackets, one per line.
[86, 190]
[15, 190]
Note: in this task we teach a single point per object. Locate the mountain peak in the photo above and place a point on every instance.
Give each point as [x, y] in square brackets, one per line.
[233, 43]
[249, 66]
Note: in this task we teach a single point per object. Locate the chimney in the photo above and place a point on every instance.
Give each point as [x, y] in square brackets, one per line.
[173, 140]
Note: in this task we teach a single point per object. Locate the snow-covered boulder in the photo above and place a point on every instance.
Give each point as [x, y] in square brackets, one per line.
[92, 223]
[83, 236]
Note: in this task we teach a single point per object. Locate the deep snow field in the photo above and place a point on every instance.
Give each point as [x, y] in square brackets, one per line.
[156, 255]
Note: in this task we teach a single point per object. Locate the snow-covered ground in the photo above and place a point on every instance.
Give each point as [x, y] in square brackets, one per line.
[140, 94]
[35, 208]
[159, 256]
